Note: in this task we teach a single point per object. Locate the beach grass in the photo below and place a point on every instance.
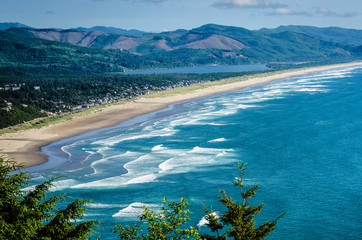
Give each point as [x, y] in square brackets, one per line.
[55, 119]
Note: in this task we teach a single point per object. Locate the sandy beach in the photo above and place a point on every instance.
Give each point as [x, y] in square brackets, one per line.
[24, 146]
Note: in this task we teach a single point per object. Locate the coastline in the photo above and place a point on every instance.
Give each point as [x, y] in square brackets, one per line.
[24, 146]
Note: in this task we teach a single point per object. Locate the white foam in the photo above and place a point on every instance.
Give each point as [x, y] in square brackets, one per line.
[134, 210]
[221, 154]
[311, 90]
[143, 179]
[65, 150]
[139, 164]
[218, 140]
[158, 148]
[38, 177]
[152, 132]
[111, 159]
[63, 184]
[92, 214]
[95, 163]
[179, 122]
[116, 181]
[73, 170]
[244, 106]
[30, 188]
[217, 124]
[223, 112]
[187, 161]
[212, 151]
[168, 165]
[172, 152]
[111, 182]
[102, 205]
[203, 220]
[90, 154]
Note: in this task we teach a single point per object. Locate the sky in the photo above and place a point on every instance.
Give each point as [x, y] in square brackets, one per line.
[168, 15]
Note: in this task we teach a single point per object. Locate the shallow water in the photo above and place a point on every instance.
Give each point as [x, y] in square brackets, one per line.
[301, 138]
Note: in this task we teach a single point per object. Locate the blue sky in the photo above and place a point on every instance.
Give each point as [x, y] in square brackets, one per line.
[160, 15]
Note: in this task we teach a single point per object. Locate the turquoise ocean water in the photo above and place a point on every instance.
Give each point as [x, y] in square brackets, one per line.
[301, 138]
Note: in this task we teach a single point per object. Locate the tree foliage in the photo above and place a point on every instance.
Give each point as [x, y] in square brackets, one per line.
[237, 220]
[162, 225]
[33, 214]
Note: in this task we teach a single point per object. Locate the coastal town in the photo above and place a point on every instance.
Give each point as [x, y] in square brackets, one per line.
[68, 103]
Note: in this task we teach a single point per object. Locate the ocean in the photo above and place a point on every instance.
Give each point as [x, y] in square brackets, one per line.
[301, 138]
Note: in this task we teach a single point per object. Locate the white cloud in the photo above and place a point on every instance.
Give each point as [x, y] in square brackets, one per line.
[328, 13]
[283, 11]
[287, 11]
[323, 11]
[247, 4]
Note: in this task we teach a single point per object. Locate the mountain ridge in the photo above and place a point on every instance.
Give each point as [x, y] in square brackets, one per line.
[72, 50]
[112, 30]
[240, 41]
[7, 25]
[330, 34]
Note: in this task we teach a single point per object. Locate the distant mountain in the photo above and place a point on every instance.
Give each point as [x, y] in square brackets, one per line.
[51, 50]
[162, 41]
[7, 25]
[24, 55]
[84, 39]
[329, 34]
[112, 30]
[280, 46]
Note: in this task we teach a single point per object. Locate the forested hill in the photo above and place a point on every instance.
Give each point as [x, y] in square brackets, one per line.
[208, 44]
[329, 34]
[21, 54]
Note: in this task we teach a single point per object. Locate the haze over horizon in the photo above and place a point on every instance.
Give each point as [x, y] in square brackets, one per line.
[168, 15]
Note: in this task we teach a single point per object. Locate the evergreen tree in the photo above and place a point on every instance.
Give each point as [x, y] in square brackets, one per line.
[238, 217]
[33, 214]
[162, 225]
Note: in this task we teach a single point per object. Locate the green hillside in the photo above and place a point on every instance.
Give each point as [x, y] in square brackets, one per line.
[284, 46]
[329, 34]
[29, 55]
[208, 44]
[26, 55]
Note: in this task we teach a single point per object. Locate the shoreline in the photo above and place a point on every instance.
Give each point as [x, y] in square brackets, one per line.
[25, 146]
